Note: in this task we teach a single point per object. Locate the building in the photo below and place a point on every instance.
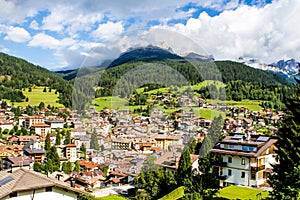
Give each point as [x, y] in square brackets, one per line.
[246, 160]
[54, 124]
[26, 184]
[41, 129]
[166, 141]
[71, 152]
[15, 163]
[35, 151]
[31, 120]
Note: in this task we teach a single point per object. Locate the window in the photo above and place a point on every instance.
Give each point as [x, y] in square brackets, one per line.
[48, 189]
[230, 159]
[13, 194]
[243, 161]
[229, 172]
[253, 175]
[243, 175]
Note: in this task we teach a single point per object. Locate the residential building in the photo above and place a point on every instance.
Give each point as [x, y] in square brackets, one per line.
[26, 184]
[41, 129]
[31, 120]
[246, 160]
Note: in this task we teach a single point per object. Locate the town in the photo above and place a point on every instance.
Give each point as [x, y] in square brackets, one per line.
[103, 152]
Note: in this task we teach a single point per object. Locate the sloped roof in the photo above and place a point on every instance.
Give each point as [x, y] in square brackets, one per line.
[22, 180]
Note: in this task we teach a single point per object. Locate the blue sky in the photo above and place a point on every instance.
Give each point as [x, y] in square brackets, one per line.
[59, 34]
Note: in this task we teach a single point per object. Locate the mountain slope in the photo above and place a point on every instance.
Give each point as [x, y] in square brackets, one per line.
[144, 53]
[17, 73]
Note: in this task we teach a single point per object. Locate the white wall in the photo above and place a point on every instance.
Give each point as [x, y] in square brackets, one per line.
[40, 194]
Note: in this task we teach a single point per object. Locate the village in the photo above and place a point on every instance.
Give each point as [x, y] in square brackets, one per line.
[125, 141]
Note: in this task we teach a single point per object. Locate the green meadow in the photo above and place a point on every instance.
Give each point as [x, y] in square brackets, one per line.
[238, 192]
[37, 95]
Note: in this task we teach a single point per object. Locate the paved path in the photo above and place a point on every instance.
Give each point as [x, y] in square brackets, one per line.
[111, 190]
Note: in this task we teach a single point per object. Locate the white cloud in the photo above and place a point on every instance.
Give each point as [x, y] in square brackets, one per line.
[44, 41]
[17, 34]
[108, 31]
[268, 33]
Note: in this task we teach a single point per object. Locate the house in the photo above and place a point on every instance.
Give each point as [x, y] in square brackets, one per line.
[5, 124]
[15, 163]
[26, 184]
[166, 141]
[71, 152]
[41, 129]
[31, 120]
[35, 151]
[54, 124]
[246, 159]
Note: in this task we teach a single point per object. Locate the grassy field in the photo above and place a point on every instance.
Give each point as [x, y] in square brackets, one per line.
[252, 105]
[207, 113]
[175, 194]
[37, 95]
[238, 192]
[111, 198]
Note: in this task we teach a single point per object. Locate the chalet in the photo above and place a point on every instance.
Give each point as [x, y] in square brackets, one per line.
[35, 151]
[26, 184]
[15, 163]
[246, 159]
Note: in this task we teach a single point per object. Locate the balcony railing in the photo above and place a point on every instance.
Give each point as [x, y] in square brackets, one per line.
[262, 167]
[221, 164]
[222, 177]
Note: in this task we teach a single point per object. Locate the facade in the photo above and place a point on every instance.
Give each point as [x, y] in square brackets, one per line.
[41, 129]
[54, 124]
[71, 152]
[31, 120]
[246, 160]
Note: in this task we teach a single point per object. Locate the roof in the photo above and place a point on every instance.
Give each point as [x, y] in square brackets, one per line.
[261, 146]
[23, 180]
[39, 125]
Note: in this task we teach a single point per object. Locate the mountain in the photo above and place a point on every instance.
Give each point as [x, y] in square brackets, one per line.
[291, 67]
[196, 57]
[144, 53]
[287, 69]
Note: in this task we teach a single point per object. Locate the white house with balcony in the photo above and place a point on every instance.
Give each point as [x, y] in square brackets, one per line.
[246, 160]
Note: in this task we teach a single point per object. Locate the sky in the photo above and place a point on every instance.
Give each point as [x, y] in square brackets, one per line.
[62, 34]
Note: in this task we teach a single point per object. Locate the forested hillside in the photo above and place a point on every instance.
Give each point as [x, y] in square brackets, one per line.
[16, 74]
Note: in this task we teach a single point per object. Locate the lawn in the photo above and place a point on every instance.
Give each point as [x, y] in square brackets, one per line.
[207, 113]
[110, 102]
[238, 192]
[111, 198]
[252, 105]
[36, 96]
[175, 194]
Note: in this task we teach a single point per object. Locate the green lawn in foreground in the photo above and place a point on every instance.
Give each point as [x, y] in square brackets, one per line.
[111, 198]
[37, 95]
[238, 192]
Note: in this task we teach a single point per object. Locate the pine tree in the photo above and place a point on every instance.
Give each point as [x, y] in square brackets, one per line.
[94, 140]
[285, 178]
[67, 138]
[58, 137]
[76, 166]
[184, 171]
[47, 142]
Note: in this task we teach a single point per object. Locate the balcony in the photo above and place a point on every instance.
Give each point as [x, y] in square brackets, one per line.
[261, 167]
[221, 164]
[222, 177]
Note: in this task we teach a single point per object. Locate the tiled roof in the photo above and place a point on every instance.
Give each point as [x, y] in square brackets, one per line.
[23, 180]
